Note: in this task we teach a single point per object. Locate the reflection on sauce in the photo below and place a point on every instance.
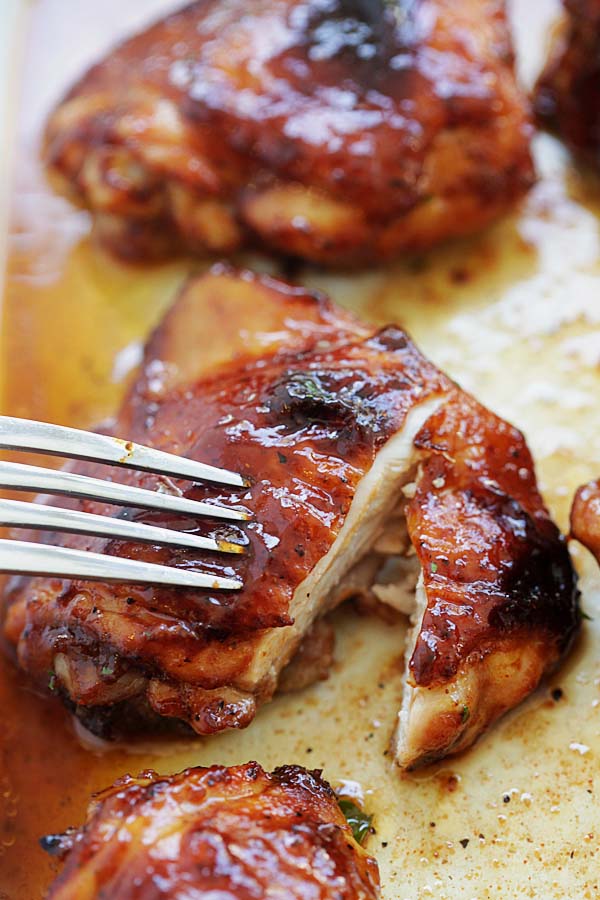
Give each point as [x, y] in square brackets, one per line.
[71, 333]
[45, 779]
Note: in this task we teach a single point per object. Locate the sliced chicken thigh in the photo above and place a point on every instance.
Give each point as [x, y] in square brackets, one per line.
[365, 464]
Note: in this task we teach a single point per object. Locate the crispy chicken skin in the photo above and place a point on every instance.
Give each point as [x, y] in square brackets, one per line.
[362, 455]
[340, 131]
[585, 517]
[235, 833]
[568, 91]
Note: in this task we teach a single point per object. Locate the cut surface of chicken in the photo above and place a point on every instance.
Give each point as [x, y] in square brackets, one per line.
[236, 833]
[360, 452]
[343, 132]
[567, 98]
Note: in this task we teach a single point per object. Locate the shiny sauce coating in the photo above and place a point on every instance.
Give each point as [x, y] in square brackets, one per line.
[235, 832]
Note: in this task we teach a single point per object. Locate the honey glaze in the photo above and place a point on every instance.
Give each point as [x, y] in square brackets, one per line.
[514, 316]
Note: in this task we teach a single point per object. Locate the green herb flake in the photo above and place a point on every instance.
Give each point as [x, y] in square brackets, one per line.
[107, 670]
[282, 458]
[358, 820]
[434, 568]
[585, 616]
[314, 390]
[52, 681]
[465, 714]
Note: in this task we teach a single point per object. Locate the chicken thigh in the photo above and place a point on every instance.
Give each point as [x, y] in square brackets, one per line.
[235, 833]
[370, 471]
[585, 517]
[568, 91]
[339, 131]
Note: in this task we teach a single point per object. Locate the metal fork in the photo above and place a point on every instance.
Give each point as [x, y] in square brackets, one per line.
[45, 559]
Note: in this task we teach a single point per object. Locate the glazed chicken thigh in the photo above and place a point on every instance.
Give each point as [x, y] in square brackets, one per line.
[568, 91]
[371, 472]
[340, 131]
[235, 833]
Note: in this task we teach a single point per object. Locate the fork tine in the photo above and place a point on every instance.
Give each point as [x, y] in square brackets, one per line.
[19, 514]
[21, 477]
[57, 440]
[45, 559]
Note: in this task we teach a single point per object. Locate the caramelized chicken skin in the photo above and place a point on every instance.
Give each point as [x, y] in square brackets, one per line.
[235, 833]
[361, 454]
[342, 131]
[568, 91]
